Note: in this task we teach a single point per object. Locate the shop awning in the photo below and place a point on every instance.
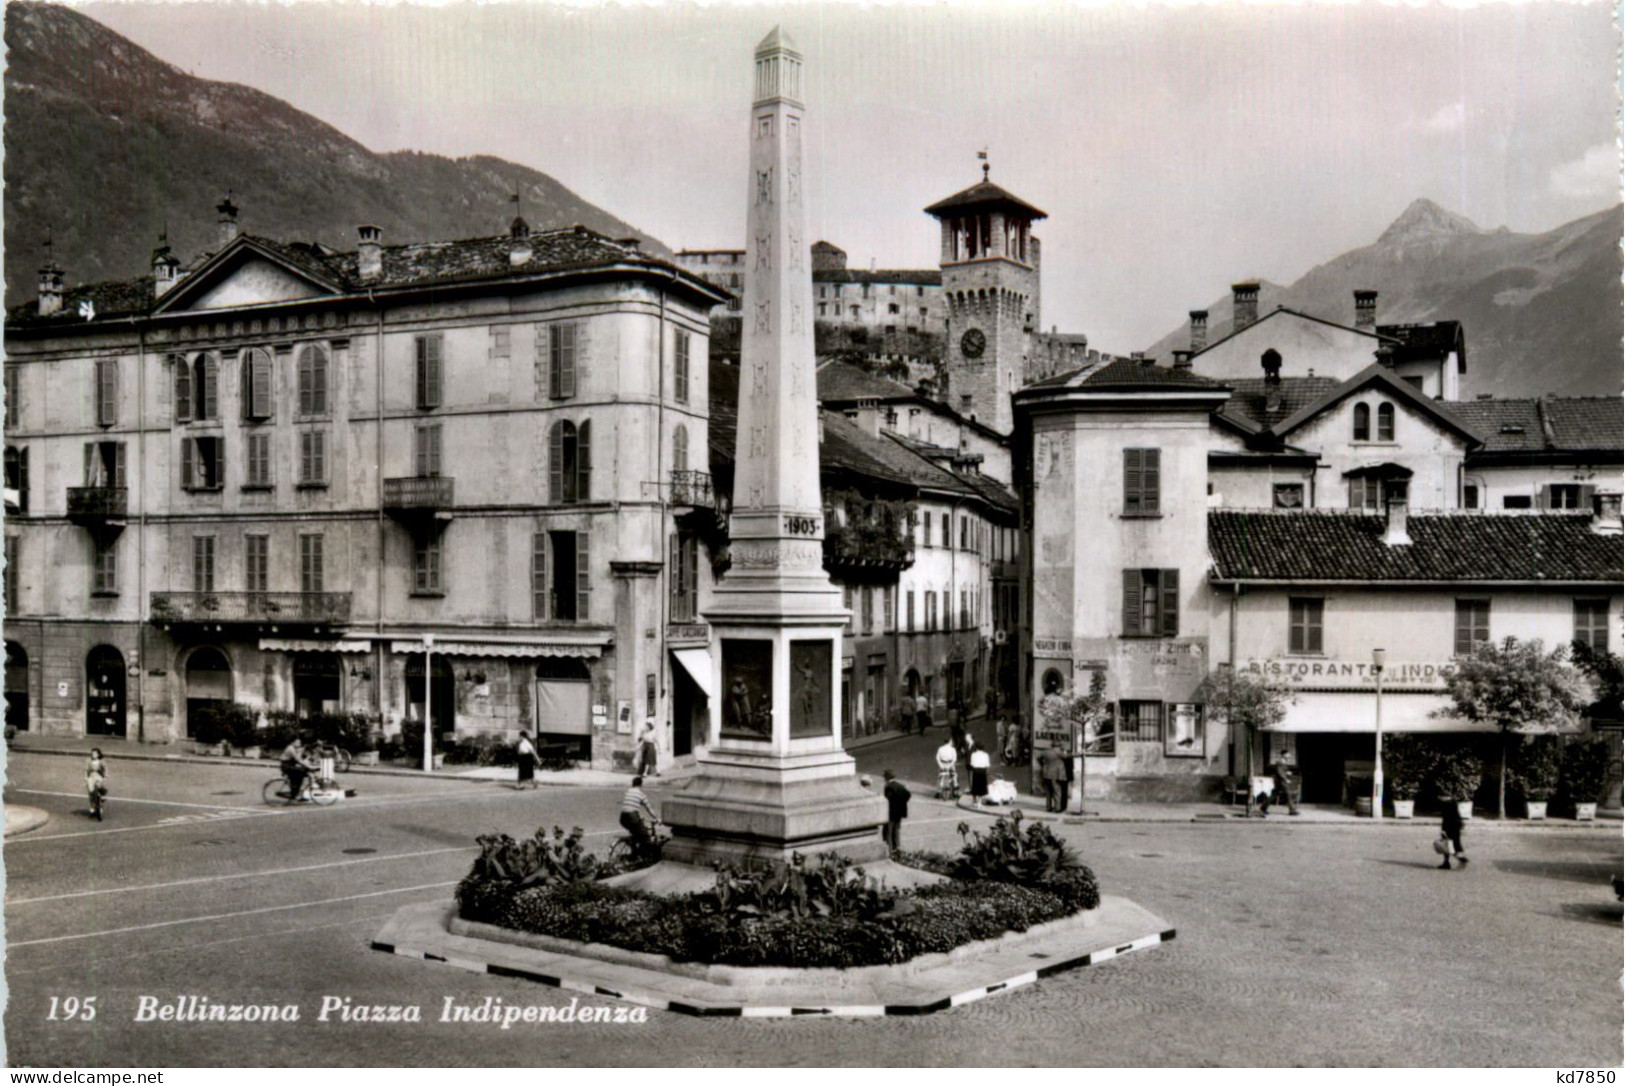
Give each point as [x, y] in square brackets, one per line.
[697, 662]
[531, 650]
[1356, 712]
[311, 644]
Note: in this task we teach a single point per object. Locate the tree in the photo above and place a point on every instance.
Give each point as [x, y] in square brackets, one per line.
[1520, 689]
[1603, 668]
[1245, 700]
[1085, 711]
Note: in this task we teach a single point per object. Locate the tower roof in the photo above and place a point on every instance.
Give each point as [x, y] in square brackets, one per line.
[985, 194]
[777, 39]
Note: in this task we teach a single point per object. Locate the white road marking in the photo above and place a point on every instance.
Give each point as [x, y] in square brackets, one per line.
[202, 879]
[15, 944]
[113, 800]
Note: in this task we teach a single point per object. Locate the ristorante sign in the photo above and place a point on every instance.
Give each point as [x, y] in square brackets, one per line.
[1298, 672]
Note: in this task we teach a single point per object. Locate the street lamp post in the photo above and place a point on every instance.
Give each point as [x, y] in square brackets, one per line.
[428, 700]
[1377, 657]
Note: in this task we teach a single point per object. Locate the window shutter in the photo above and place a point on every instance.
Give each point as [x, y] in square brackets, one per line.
[1150, 480]
[567, 359]
[1315, 620]
[555, 464]
[260, 377]
[306, 382]
[1131, 603]
[106, 391]
[90, 464]
[1170, 603]
[22, 480]
[1464, 637]
[435, 374]
[422, 370]
[318, 395]
[319, 446]
[1131, 480]
[183, 390]
[583, 579]
[674, 575]
[1543, 497]
[188, 464]
[219, 445]
[1586, 492]
[538, 575]
[584, 462]
[118, 465]
[211, 389]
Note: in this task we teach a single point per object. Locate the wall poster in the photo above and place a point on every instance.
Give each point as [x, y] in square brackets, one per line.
[1184, 736]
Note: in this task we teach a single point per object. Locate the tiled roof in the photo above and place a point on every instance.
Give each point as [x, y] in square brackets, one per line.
[1340, 546]
[984, 193]
[842, 382]
[1403, 391]
[1254, 400]
[925, 277]
[110, 298]
[1551, 423]
[1131, 375]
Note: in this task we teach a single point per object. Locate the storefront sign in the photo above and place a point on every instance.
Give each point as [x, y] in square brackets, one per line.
[1050, 644]
[1350, 675]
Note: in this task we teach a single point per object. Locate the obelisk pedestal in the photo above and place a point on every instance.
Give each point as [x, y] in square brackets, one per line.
[774, 780]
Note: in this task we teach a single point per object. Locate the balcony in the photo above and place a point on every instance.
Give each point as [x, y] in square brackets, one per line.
[692, 488]
[867, 551]
[419, 499]
[98, 506]
[313, 612]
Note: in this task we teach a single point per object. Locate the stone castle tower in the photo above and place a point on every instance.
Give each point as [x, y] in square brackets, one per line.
[990, 267]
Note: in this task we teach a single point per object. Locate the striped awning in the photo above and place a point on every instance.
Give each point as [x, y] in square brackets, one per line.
[530, 650]
[311, 644]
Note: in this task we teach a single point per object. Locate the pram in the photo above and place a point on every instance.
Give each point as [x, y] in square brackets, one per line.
[948, 781]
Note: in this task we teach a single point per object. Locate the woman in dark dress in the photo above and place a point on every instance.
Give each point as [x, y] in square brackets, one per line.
[527, 761]
[1450, 826]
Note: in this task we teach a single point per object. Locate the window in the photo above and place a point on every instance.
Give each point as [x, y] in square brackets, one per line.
[313, 380]
[560, 586]
[561, 361]
[822, 307]
[1307, 614]
[259, 461]
[203, 463]
[256, 384]
[945, 540]
[203, 563]
[426, 451]
[1289, 495]
[1517, 501]
[1591, 623]
[848, 601]
[310, 562]
[854, 312]
[257, 563]
[1142, 482]
[930, 611]
[1385, 422]
[1469, 496]
[13, 403]
[17, 476]
[570, 462]
[908, 611]
[680, 376]
[1362, 422]
[104, 565]
[1415, 381]
[1566, 496]
[1141, 722]
[868, 610]
[679, 449]
[104, 463]
[684, 577]
[947, 610]
[313, 458]
[888, 613]
[429, 371]
[426, 565]
[13, 599]
[197, 390]
[891, 307]
[1472, 624]
[964, 608]
[1150, 602]
[106, 391]
[1365, 493]
[964, 533]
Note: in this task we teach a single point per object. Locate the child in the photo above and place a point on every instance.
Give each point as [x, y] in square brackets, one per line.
[96, 782]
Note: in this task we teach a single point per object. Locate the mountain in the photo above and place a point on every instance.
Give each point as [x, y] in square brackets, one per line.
[1541, 312]
[106, 146]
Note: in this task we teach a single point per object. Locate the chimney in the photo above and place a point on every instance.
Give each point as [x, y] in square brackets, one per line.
[1385, 355]
[1198, 331]
[1365, 310]
[369, 253]
[228, 221]
[1244, 297]
[50, 289]
[1605, 513]
[1182, 360]
[165, 269]
[1395, 534]
[519, 250]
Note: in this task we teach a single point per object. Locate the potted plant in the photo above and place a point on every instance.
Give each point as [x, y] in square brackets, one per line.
[1406, 761]
[1457, 777]
[1534, 771]
[362, 735]
[1584, 770]
[240, 730]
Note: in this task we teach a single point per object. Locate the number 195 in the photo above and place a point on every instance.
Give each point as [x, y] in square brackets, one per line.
[69, 1008]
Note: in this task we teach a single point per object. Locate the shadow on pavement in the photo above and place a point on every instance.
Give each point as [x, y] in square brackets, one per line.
[1570, 870]
[1592, 913]
[1418, 864]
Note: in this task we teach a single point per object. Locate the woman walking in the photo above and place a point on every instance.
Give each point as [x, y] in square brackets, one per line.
[1450, 830]
[527, 762]
[979, 765]
[96, 782]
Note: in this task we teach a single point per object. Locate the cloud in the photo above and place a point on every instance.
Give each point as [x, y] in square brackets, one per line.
[1595, 173]
[1449, 118]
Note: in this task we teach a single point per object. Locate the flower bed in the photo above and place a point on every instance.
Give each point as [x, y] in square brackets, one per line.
[807, 915]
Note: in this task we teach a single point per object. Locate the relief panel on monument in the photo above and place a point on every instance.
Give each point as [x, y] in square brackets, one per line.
[747, 678]
[810, 667]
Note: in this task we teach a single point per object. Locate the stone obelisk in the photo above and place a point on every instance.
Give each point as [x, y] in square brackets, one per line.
[775, 780]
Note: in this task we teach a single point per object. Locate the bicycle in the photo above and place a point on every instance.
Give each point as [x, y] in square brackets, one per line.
[98, 798]
[341, 757]
[323, 793]
[627, 853]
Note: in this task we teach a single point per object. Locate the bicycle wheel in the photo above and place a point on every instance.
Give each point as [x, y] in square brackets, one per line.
[323, 794]
[276, 791]
[621, 853]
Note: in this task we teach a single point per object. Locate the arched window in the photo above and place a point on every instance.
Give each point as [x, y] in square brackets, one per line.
[312, 382]
[257, 384]
[679, 449]
[1362, 422]
[570, 462]
[202, 388]
[1385, 422]
[208, 685]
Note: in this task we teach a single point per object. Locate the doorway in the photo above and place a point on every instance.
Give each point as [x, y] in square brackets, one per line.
[690, 711]
[104, 686]
[1324, 757]
[16, 687]
[564, 705]
[442, 691]
[317, 682]
[208, 682]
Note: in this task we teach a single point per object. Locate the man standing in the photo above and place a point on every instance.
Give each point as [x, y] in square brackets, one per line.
[1053, 767]
[922, 711]
[897, 796]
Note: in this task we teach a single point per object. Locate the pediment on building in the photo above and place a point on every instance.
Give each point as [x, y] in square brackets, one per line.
[248, 273]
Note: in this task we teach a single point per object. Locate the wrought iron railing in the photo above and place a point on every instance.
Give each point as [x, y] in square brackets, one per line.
[97, 501]
[419, 492]
[291, 608]
[692, 488]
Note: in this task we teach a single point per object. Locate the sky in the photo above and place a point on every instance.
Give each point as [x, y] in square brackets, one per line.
[1175, 148]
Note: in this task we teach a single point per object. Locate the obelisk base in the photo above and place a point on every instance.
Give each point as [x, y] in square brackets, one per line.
[737, 819]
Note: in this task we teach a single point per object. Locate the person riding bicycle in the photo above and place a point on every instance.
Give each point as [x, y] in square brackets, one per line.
[639, 819]
[947, 770]
[96, 780]
[296, 766]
